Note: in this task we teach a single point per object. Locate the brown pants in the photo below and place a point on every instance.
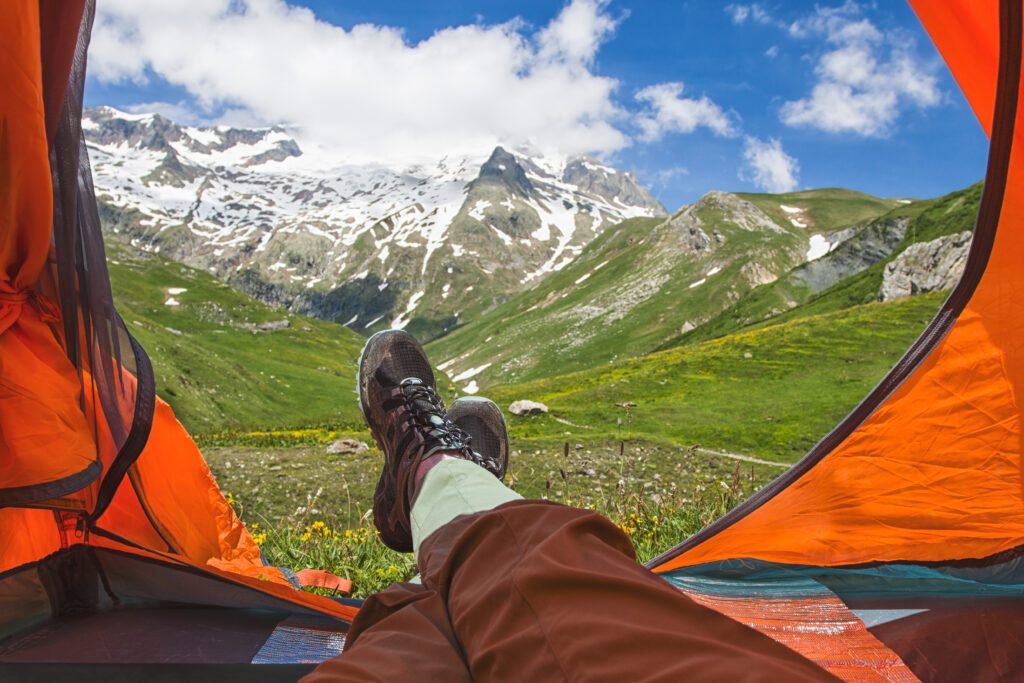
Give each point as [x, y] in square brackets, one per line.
[534, 591]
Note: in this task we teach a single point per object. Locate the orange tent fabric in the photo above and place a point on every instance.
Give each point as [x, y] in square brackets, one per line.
[36, 378]
[121, 475]
[931, 467]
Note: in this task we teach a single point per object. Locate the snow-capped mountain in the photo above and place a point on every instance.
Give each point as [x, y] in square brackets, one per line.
[367, 246]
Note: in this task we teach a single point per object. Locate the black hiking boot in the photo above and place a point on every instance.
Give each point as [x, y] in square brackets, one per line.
[407, 418]
[481, 418]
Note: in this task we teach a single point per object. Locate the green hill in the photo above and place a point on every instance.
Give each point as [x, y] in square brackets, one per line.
[770, 393]
[215, 365]
[790, 297]
[640, 285]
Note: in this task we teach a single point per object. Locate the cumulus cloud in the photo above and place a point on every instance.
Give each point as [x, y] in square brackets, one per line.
[368, 92]
[865, 78]
[667, 111]
[768, 166]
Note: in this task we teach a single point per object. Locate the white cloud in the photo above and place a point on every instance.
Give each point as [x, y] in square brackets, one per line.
[768, 166]
[772, 52]
[668, 112]
[864, 80]
[741, 13]
[179, 112]
[575, 35]
[367, 91]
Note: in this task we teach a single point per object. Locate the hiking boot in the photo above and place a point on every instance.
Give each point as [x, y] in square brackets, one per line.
[481, 418]
[407, 418]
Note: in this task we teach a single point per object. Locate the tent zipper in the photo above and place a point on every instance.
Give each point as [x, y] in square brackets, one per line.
[72, 528]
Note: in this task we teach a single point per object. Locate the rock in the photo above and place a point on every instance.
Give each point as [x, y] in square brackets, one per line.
[748, 355]
[347, 447]
[272, 325]
[851, 251]
[926, 267]
[524, 407]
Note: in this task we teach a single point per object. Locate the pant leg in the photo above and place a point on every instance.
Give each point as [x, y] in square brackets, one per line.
[454, 487]
[540, 592]
[402, 634]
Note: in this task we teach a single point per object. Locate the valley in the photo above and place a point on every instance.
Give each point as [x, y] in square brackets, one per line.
[684, 359]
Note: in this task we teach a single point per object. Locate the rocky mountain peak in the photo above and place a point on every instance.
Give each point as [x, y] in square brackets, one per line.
[591, 175]
[366, 245]
[106, 126]
[503, 169]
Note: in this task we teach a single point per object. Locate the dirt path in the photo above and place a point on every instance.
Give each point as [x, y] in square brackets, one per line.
[745, 458]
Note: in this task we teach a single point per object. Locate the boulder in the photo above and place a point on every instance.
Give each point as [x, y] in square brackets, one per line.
[926, 267]
[347, 447]
[524, 407]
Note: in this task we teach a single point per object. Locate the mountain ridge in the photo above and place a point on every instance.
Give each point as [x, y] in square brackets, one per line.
[245, 205]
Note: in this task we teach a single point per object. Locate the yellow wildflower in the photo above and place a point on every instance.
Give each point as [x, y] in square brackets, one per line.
[306, 536]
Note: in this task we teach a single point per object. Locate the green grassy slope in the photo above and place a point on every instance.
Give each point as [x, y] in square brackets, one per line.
[215, 369]
[788, 299]
[643, 283]
[825, 210]
[770, 393]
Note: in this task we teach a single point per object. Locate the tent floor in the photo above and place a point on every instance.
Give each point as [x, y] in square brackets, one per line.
[165, 642]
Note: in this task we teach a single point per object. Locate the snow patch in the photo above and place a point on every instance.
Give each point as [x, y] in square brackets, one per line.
[791, 209]
[471, 388]
[698, 283]
[478, 209]
[713, 271]
[819, 246]
[174, 291]
[472, 372]
[583, 278]
[401, 321]
[171, 301]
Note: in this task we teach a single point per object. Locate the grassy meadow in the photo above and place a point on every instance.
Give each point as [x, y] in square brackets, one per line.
[662, 444]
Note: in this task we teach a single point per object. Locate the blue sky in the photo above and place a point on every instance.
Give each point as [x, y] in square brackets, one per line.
[776, 95]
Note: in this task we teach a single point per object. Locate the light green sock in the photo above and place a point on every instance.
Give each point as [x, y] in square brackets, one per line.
[454, 487]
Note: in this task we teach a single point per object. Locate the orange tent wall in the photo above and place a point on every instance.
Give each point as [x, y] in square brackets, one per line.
[39, 388]
[51, 429]
[935, 472]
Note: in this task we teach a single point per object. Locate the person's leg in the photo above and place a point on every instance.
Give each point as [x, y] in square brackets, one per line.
[401, 634]
[404, 633]
[452, 488]
[541, 592]
[532, 590]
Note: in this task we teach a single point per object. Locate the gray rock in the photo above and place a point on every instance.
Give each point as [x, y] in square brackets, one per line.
[524, 407]
[857, 249]
[926, 267]
[347, 447]
[271, 325]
